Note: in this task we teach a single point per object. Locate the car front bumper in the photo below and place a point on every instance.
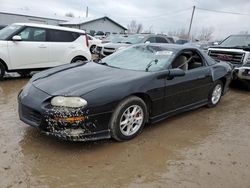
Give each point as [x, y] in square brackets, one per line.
[34, 109]
[242, 73]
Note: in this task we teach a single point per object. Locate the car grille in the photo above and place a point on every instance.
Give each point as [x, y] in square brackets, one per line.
[233, 57]
[31, 115]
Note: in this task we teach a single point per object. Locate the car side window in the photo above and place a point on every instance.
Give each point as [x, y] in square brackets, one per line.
[151, 39]
[188, 60]
[33, 34]
[62, 36]
[161, 40]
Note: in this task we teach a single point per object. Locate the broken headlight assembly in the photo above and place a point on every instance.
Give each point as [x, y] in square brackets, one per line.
[71, 102]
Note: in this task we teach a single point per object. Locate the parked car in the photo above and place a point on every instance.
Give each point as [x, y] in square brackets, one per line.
[2, 26]
[236, 50]
[134, 39]
[93, 42]
[100, 35]
[117, 96]
[110, 39]
[181, 41]
[26, 47]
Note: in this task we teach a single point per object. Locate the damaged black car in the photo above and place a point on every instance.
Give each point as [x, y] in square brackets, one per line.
[115, 97]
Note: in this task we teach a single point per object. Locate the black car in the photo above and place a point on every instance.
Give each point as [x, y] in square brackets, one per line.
[118, 95]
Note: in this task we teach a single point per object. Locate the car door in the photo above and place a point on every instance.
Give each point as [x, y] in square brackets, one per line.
[192, 88]
[161, 40]
[31, 52]
[61, 45]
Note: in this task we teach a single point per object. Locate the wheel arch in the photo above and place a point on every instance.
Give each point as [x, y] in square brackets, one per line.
[80, 57]
[146, 98]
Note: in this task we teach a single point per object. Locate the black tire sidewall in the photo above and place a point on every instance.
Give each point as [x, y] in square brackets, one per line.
[115, 120]
[75, 59]
[2, 70]
[210, 103]
[92, 49]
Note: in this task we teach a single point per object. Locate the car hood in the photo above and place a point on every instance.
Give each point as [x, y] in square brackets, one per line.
[79, 79]
[116, 45]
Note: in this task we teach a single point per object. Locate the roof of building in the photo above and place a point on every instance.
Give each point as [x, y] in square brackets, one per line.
[51, 27]
[36, 15]
[80, 21]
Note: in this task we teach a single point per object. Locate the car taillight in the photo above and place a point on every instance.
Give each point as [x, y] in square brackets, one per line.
[87, 41]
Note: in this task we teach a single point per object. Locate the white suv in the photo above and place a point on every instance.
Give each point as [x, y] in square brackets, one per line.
[25, 47]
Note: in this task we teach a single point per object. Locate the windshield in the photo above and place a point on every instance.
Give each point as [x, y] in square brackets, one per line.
[140, 58]
[9, 30]
[133, 39]
[235, 40]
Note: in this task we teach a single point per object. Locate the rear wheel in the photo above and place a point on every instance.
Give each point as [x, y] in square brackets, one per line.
[2, 71]
[215, 94]
[78, 59]
[128, 119]
[92, 48]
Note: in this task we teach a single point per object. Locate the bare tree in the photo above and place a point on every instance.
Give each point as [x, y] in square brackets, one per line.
[135, 27]
[181, 33]
[70, 14]
[206, 34]
[243, 32]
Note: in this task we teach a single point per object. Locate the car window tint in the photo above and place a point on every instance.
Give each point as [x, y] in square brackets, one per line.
[151, 39]
[33, 34]
[62, 36]
[161, 40]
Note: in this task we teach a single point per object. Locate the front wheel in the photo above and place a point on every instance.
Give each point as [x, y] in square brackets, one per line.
[215, 94]
[128, 119]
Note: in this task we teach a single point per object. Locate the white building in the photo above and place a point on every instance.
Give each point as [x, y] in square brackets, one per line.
[104, 24]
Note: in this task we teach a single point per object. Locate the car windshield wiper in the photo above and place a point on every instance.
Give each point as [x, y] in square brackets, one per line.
[151, 63]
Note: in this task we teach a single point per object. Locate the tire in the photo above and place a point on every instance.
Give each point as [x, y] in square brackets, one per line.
[2, 71]
[92, 48]
[215, 94]
[25, 73]
[133, 123]
[78, 59]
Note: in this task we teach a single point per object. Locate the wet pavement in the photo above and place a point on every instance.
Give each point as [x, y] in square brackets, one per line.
[201, 148]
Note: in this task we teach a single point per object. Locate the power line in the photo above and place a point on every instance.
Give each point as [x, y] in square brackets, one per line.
[223, 12]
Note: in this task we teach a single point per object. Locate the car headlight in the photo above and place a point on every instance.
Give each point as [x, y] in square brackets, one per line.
[72, 102]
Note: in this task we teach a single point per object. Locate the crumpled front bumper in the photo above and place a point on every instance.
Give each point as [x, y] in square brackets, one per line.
[35, 110]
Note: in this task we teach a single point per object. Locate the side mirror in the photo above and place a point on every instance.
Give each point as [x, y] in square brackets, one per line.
[16, 38]
[176, 72]
[147, 42]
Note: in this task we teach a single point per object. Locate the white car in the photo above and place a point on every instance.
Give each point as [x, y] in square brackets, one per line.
[93, 42]
[25, 47]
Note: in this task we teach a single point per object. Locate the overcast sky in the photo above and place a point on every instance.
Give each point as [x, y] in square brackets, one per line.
[160, 15]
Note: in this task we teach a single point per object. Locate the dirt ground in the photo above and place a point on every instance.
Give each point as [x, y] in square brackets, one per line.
[201, 148]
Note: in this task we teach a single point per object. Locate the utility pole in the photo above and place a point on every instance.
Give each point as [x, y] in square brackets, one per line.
[87, 12]
[191, 22]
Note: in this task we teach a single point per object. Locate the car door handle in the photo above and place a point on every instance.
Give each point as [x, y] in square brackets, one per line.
[42, 46]
[71, 47]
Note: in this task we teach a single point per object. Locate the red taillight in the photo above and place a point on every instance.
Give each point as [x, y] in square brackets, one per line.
[87, 41]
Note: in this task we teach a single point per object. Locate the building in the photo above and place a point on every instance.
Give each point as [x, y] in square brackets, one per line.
[93, 25]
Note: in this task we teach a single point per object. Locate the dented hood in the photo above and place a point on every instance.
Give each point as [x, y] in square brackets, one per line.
[79, 79]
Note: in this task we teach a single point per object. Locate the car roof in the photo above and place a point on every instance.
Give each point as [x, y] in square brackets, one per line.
[175, 47]
[50, 27]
